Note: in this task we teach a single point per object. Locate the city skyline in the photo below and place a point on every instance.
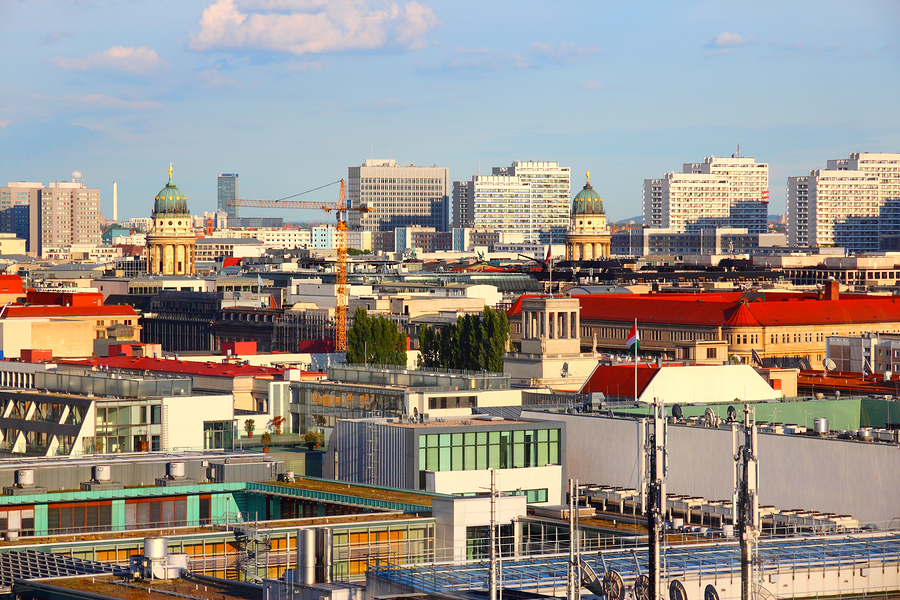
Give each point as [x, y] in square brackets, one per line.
[292, 93]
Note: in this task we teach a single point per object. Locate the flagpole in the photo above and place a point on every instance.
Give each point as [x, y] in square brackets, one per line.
[636, 344]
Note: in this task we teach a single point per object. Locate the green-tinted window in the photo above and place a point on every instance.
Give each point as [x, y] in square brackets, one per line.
[470, 438]
[554, 453]
[423, 439]
[432, 441]
[470, 457]
[518, 436]
[456, 458]
[494, 456]
[518, 456]
[542, 435]
[445, 458]
[457, 439]
[543, 454]
[494, 437]
[554, 435]
[445, 440]
[481, 457]
[432, 463]
[481, 438]
[422, 457]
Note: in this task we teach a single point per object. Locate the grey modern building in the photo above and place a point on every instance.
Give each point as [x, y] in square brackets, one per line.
[227, 190]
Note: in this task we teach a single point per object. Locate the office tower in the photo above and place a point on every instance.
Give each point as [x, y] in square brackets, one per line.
[718, 192]
[400, 196]
[853, 204]
[528, 197]
[227, 189]
[19, 203]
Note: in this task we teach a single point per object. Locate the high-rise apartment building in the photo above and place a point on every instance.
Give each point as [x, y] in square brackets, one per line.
[853, 204]
[399, 196]
[528, 197]
[227, 192]
[19, 204]
[70, 214]
[718, 192]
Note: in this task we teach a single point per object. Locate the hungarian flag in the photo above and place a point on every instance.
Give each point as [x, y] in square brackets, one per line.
[634, 339]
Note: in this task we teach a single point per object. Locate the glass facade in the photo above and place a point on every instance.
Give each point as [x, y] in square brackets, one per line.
[126, 427]
[218, 434]
[321, 406]
[480, 450]
[227, 189]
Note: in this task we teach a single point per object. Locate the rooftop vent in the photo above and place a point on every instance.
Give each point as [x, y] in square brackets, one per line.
[175, 476]
[101, 479]
[24, 484]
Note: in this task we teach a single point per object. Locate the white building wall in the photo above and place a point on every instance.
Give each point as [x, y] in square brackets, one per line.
[183, 416]
[708, 384]
[453, 515]
[508, 480]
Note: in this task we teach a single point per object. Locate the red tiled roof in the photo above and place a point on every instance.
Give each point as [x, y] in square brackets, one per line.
[726, 309]
[742, 317]
[618, 380]
[158, 365]
[19, 311]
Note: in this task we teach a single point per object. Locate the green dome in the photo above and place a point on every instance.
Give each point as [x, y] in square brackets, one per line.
[170, 200]
[587, 202]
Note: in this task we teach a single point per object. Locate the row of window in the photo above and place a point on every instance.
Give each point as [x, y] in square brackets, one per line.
[488, 450]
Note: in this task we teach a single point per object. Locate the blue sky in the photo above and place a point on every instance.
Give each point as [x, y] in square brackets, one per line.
[289, 93]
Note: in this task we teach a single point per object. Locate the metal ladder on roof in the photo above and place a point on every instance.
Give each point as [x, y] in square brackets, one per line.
[165, 429]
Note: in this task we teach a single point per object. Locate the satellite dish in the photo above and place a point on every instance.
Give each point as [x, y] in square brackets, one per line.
[829, 365]
[710, 593]
[732, 414]
[677, 591]
[676, 412]
[642, 588]
[614, 586]
[610, 413]
[711, 419]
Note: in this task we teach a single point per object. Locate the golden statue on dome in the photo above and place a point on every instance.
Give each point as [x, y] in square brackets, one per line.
[588, 173]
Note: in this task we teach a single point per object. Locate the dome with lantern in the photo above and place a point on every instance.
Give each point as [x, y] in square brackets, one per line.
[170, 200]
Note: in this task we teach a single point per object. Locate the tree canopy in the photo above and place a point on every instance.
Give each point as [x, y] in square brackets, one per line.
[473, 343]
[377, 341]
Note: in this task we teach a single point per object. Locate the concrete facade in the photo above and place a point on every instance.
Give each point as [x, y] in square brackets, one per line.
[843, 477]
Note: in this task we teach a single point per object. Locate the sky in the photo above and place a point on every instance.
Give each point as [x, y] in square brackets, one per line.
[290, 93]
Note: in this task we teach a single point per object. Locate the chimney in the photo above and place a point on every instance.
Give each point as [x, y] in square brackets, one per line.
[832, 290]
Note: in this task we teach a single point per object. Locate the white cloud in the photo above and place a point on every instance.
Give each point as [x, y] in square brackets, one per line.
[92, 128]
[4, 123]
[131, 61]
[312, 26]
[211, 78]
[592, 85]
[102, 101]
[564, 52]
[729, 40]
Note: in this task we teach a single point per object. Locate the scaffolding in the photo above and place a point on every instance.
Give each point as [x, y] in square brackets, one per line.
[294, 327]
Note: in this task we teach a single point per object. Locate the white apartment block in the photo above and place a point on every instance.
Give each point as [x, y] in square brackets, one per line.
[324, 238]
[399, 196]
[284, 238]
[718, 192]
[70, 214]
[852, 204]
[528, 197]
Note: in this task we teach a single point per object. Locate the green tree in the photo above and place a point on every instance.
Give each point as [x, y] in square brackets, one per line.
[473, 342]
[377, 341]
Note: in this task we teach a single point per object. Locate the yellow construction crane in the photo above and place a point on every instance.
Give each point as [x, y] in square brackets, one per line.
[340, 241]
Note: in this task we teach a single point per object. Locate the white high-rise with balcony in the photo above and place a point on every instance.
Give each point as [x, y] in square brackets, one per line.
[718, 192]
[851, 204]
[528, 197]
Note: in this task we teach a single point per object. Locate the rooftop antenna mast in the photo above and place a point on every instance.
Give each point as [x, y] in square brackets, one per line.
[745, 500]
[655, 454]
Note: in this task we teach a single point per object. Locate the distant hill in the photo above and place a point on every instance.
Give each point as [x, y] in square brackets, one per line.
[638, 220]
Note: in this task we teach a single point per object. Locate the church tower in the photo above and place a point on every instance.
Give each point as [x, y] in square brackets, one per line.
[171, 243]
[588, 236]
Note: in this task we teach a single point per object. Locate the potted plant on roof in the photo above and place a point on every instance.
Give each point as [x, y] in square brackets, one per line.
[266, 439]
[276, 424]
[313, 439]
[249, 426]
